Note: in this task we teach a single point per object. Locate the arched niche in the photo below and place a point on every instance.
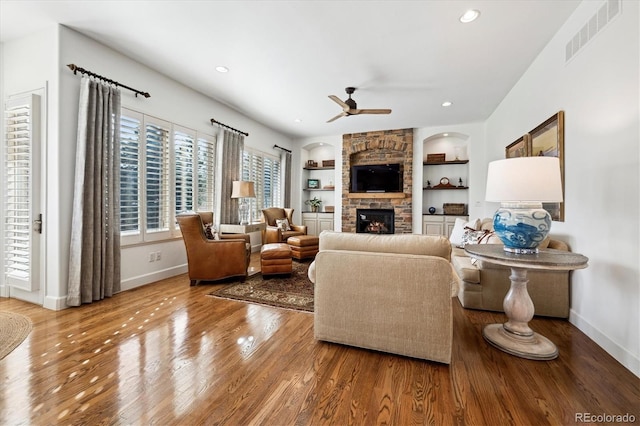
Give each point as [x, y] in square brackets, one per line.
[452, 144]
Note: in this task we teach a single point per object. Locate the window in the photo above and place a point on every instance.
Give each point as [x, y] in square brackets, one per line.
[264, 170]
[158, 161]
[206, 172]
[20, 196]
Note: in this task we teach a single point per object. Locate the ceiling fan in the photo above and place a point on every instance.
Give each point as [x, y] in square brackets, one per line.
[350, 107]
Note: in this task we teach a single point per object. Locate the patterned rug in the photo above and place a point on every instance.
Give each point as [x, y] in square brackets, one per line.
[281, 291]
[14, 328]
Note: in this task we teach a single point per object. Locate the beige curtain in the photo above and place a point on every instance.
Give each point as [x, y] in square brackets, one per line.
[231, 161]
[94, 258]
[286, 160]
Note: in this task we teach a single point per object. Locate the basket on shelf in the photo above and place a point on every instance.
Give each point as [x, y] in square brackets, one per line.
[328, 163]
[436, 158]
[455, 208]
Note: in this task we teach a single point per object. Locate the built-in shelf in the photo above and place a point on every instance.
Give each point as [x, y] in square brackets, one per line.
[319, 189]
[318, 168]
[446, 162]
[380, 195]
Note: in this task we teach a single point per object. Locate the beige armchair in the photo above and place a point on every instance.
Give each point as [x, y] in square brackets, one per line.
[210, 260]
[274, 234]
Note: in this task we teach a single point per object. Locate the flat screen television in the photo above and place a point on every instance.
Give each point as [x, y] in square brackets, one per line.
[376, 178]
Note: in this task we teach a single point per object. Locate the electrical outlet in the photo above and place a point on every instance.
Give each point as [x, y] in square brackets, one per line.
[158, 255]
[152, 257]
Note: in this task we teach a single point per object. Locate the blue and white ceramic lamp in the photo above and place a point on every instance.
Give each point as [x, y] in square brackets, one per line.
[521, 185]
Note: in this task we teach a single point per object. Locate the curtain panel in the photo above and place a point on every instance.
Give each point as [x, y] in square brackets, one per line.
[232, 147]
[94, 258]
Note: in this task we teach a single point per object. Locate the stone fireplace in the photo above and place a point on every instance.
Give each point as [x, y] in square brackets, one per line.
[381, 147]
[375, 221]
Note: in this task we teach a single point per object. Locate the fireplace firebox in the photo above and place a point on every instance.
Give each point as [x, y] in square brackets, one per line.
[375, 221]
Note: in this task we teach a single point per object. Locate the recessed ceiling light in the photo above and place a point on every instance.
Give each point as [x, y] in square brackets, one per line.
[470, 16]
[446, 104]
[222, 69]
[297, 120]
[445, 134]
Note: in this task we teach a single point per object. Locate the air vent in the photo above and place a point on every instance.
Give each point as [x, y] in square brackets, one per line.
[609, 10]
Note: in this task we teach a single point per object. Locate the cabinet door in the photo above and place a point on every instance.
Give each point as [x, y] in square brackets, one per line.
[311, 223]
[432, 228]
[325, 224]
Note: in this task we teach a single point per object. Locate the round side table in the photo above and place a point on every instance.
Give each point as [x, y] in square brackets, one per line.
[515, 337]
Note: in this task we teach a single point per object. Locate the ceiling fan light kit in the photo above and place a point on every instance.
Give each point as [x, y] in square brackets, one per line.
[350, 107]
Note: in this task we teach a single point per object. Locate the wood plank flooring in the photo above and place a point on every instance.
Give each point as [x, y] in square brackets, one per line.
[167, 354]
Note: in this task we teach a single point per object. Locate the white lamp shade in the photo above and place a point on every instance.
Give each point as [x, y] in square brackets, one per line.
[524, 179]
[243, 189]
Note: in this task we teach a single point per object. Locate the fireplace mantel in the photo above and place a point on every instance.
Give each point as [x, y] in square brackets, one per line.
[376, 195]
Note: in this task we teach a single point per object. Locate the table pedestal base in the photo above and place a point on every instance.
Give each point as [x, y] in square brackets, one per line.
[534, 346]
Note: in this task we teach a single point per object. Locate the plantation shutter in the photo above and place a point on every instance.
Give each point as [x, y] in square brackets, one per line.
[22, 220]
[264, 170]
[157, 188]
[206, 172]
[130, 129]
[184, 151]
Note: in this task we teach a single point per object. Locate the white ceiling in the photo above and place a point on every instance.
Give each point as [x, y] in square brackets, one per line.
[286, 57]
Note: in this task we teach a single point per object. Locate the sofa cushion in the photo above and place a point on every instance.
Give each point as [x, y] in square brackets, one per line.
[428, 245]
[472, 236]
[466, 270]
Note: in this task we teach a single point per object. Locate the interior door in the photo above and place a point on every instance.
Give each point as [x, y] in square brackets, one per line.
[21, 217]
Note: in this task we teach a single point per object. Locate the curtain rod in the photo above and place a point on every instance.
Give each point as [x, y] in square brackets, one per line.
[77, 69]
[214, 121]
[284, 149]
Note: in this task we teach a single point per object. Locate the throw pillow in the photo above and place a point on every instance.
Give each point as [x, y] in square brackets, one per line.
[459, 228]
[471, 236]
[209, 230]
[283, 224]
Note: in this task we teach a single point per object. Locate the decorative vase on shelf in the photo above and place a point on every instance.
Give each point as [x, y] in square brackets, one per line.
[432, 210]
[314, 209]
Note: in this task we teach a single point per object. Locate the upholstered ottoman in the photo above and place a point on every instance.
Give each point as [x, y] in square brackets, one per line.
[303, 246]
[275, 258]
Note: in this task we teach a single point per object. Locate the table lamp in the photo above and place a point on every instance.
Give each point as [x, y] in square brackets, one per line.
[242, 190]
[521, 185]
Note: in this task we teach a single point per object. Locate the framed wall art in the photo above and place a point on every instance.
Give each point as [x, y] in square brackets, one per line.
[548, 140]
[519, 148]
[313, 183]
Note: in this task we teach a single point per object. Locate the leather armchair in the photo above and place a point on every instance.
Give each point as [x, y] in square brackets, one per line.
[210, 260]
[272, 233]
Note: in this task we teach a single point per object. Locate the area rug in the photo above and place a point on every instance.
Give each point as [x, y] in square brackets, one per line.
[14, 328]
[281, 291]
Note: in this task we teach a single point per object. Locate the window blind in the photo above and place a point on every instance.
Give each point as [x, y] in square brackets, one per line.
[206, 172]
[157, 170]
[184, 151]
[21, 171]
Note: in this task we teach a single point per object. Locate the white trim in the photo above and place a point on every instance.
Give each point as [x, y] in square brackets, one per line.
[622, 355]
[154, 276]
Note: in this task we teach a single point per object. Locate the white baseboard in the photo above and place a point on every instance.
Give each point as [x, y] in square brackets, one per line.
[55, 303]
[622, 355]
[145, 279]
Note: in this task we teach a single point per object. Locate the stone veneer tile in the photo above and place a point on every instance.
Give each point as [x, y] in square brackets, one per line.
[385, 146]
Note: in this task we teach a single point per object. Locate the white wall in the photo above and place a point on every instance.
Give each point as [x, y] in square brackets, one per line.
[599, 91]
[28, 66]
[169, 100]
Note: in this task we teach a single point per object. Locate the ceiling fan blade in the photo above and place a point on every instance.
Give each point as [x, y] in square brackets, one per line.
[339, 101]
[373, 111]
[342, 114]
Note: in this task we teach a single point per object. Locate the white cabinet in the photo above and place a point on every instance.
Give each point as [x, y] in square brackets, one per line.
[317, 222]
[439, 224]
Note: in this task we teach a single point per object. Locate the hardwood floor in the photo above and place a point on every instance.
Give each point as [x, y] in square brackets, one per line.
[168, 354]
